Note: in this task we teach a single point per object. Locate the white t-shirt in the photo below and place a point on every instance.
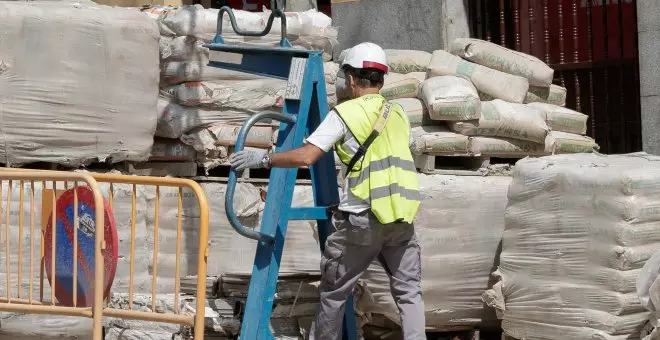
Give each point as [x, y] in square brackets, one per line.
[331, 130]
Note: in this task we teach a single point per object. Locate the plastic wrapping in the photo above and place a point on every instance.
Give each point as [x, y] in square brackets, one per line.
[578, 228]
[459, 226]
[71, 76]
[257, 94]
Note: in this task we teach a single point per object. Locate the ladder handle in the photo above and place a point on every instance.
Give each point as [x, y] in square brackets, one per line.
[274, 13]
[233, 176]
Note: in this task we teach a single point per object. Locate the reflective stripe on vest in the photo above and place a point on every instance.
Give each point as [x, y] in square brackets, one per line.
[386, 178]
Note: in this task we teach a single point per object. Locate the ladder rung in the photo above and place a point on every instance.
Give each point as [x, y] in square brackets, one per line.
[309, 213]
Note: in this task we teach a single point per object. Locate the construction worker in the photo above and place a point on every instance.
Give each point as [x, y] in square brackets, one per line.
[380, 194]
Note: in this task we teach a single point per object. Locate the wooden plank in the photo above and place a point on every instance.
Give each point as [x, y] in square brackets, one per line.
[189, 285]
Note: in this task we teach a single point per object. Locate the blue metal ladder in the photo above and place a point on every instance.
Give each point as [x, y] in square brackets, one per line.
[305, 106]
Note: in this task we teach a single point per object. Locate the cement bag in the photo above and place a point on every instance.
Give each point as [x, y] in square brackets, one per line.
[495, 83]
[226, 135]
[451, 98]
[330, 70]
[402, 85]
[437, 140]
[174, 120]
[506, 147]
[415, 110]
[326, 43]
[562, 119]
[172, 149]
[562, 142]
[554, 94]
[156, 11]
[177, 72]
[69, 87]
[503, 59]
[257, 94]
[183, 49]
[508, 120]
[311, 22]
[406, 61]
[201, 22]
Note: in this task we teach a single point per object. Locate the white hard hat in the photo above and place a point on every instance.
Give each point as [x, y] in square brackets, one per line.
[366, 55]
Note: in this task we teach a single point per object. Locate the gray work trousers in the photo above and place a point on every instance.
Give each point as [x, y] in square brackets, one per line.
[356, 243]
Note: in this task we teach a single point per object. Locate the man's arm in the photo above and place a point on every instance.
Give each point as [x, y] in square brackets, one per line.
[306, 155]
[321, 141]
[330, 130]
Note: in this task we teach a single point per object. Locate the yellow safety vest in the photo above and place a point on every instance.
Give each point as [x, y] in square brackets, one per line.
[386, 177]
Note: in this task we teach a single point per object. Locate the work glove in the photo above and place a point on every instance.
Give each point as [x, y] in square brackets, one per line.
[247, 159]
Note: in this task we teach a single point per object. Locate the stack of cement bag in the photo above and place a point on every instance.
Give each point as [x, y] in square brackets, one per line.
[203, 107]
[483, 99]
[69, 87]
[578, 230]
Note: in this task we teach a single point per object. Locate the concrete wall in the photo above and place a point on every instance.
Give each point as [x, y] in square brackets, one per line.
[648, 24]
[425, 25]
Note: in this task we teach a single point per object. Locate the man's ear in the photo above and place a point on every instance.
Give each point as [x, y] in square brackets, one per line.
[350, 79]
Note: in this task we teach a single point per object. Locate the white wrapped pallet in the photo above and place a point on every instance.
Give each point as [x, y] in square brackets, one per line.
[459, 227]
[508, 120]
[71, 76]
[402, 85]
[554, 94]
[562, 119]
[451, 98]
[503, 59]
[406, 61]
[572, 222]
[492, 82]
[437, 140]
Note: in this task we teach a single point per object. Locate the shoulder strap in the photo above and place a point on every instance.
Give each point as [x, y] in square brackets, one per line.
[378, 128]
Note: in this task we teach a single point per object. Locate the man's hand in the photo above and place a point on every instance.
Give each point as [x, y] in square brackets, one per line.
[247, 159]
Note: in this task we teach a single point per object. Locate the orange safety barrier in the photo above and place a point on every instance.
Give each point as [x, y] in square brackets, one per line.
[98, 309]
